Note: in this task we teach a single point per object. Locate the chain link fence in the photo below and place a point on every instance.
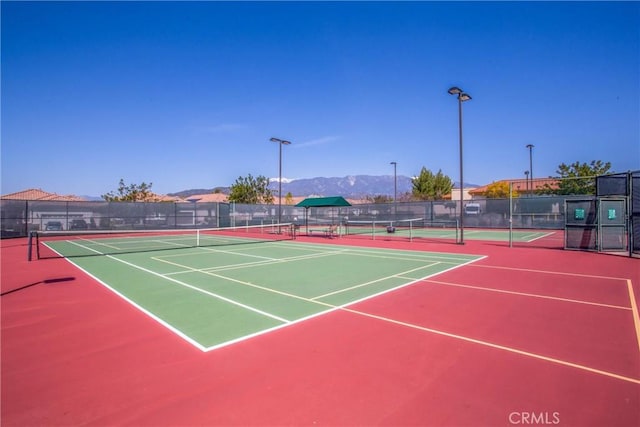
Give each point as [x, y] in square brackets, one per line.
[534, 209]
[18, 217]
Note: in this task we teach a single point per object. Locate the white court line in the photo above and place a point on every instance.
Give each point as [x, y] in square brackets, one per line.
[497, 346]
[253, 285]
[391, 253]
[330, 307]
[345, 308]
[195, 288]
[74, 242]
[271, 261]
[285, 322]
[399, 258]
[198, 251]
[339, 250]
[140, 247]
[558, 273]
[536, 238]
[502, 291]
[634, 309]
[135, 304]
[373, 281]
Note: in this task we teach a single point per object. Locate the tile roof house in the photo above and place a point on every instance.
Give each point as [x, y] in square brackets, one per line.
[224, 198]
[207, 198]
[38, 194]
[522, 186]
[152, 197]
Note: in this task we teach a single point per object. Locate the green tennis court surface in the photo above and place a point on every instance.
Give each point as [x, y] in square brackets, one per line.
[434, 231]
[214, 296]
[503, 235]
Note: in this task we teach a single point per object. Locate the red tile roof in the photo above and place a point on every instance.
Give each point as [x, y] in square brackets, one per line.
[168, 198]
[520, 185]
[207, 198]
[38, 194]
[153, 197]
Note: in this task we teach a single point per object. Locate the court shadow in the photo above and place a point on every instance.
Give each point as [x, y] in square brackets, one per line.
[41, 282]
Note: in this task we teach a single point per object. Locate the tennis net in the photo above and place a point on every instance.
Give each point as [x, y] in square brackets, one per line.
[414, 228]
[67, 244]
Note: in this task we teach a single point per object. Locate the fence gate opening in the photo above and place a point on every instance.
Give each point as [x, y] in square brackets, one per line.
[598, 224]
[612, 225]
[610, 222]
[580, 224]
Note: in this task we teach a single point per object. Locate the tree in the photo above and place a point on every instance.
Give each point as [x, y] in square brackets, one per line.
[405, 196]
[578, 178]
[451, 206]
[499, 190]
[428, 186]
[442, 186]
[379, 199]
[131, 193]
[251, 191]
[288, 198]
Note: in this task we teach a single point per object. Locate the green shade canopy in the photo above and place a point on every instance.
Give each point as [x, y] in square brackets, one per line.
[322, 202]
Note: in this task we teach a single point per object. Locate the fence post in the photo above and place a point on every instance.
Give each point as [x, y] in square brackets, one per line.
[29, 247]
[26, 217]
[510, 214]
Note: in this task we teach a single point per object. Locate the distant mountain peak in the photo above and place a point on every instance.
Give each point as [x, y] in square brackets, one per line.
[348, 186]
[284, 180]
[352, 186]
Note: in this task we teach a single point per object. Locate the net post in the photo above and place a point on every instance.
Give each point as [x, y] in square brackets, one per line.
[29, 246]
[511, 214]
[410, 230]
[198, 237]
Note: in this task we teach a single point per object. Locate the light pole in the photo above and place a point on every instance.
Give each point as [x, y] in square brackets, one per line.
[395, 187]
[280, 142]
[395, 181]
[526, 180]
[462, 97]
[530, 147]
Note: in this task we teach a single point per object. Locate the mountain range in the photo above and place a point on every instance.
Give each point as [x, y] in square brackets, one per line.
[353, 186]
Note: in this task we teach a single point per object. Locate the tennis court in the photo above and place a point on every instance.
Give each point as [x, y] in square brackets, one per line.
[262, 327]
[231, 287]
[421, 229]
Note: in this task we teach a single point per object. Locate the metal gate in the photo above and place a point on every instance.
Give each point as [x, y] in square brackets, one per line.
[599, 224]
[612, 225]
[619, 212]
[581, 224]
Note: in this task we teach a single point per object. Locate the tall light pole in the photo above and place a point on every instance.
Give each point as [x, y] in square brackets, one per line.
[526, 180]
[395, 187]
[530, 147]
[462, 97]
[280, 142]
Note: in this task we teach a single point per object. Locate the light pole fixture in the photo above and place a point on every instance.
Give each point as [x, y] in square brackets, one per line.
[462, 97]
[395, 187]
[280, 142]
[530, 147]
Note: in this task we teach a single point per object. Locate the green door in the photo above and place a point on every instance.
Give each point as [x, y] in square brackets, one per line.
[612, 225]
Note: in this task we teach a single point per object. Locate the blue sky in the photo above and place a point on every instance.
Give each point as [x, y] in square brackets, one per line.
[187, 94]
